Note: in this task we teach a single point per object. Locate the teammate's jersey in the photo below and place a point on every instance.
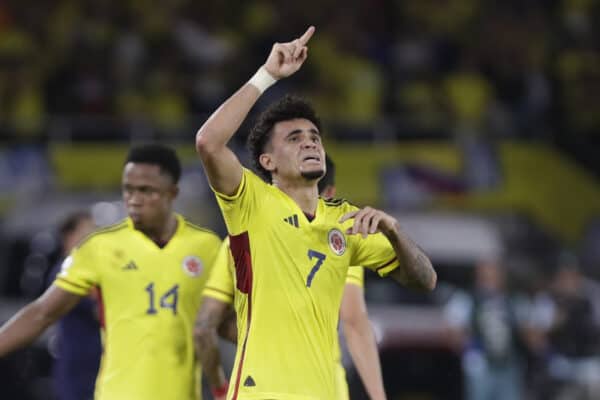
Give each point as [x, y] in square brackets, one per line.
[290, 274]
[220, 283]
[356, 276]
[150, 298]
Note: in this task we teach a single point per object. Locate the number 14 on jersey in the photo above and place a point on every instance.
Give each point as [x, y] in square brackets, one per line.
[168, 300]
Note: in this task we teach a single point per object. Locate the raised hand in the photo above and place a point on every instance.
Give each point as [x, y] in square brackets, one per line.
[287, 58]
[370, 220]
[415, 268]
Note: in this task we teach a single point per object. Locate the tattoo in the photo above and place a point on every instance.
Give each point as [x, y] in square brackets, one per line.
[424, 270]
[228, 327]
[207, 321]
[415, 269]
[206, 341]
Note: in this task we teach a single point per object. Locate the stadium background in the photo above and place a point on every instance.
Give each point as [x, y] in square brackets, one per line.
[475, 122]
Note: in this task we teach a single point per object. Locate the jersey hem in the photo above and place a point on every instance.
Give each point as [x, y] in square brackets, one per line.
[274, 395]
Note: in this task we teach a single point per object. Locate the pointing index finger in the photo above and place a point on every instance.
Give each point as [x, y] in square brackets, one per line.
[347, 216]
[307, 35]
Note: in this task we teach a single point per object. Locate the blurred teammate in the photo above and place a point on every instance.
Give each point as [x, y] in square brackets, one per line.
[78, 347]
[150, 269]
[216, 308]
[292, 249]
[354, 319]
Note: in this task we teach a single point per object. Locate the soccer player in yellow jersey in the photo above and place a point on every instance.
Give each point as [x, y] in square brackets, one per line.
[354, 320]
[219, 293]
[150, 269]
[292, 249]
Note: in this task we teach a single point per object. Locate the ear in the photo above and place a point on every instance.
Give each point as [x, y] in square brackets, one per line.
[328, 192]
[174, 192]
[266, 161]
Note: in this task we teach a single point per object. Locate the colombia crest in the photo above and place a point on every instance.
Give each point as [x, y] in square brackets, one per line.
[337, 241]
[192, 266]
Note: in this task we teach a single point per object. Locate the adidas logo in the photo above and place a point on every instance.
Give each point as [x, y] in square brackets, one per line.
[129, 266]
[249, 381]
[293, 220]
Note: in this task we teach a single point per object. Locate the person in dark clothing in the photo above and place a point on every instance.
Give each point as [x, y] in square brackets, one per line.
[78, 346]
[572, 336]
[486, 327]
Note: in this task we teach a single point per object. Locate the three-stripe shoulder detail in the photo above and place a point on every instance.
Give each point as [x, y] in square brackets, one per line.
[107, 229]
[335, 202]
[199, 228]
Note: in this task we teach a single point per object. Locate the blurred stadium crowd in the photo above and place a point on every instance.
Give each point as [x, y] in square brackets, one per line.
[466, 72]
[430, 68]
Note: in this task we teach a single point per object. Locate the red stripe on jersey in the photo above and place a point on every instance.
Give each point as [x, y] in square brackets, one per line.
[100, 305]
[243, 356]
[240, 250]
[96, 293]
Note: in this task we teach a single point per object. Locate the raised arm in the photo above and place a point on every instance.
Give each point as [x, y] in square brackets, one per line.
[35, 317]
[361, 340]
[222, 167]
[415, 269]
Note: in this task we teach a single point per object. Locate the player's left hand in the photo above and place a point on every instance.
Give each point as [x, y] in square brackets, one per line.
[369, 221]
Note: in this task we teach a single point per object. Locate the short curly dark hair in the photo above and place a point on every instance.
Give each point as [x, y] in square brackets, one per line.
[289, 107]
[157, 154]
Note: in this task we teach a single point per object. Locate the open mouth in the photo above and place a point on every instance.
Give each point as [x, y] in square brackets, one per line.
[312, 158]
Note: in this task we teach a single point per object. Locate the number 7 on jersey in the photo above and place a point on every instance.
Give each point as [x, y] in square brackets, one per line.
[320, 258]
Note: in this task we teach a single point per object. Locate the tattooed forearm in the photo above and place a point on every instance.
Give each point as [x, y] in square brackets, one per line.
[415, 269]
[206, 341]
[228, 328]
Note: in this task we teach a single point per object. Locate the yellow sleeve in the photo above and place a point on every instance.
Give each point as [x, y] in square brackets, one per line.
[220, 281]
[215, 243]
[376, 253]
[79, 271]
[239, 208]
[356, 276]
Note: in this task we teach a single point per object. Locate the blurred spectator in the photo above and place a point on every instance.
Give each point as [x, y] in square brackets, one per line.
[166, 103]
[469, 96]
[567, 316]
[423, 68]
[486, 326]
[76, 346]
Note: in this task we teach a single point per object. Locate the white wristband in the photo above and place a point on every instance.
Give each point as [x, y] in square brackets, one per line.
[262, 80]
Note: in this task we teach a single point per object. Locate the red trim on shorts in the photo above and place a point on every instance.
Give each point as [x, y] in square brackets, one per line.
[240, 250]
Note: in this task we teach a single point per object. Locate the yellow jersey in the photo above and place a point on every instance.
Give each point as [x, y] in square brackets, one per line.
[220, 286]
[356, 276]
[289, 277]
[150, 296]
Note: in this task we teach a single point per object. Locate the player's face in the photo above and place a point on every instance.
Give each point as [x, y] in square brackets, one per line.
[148, 194]
[295, 150]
